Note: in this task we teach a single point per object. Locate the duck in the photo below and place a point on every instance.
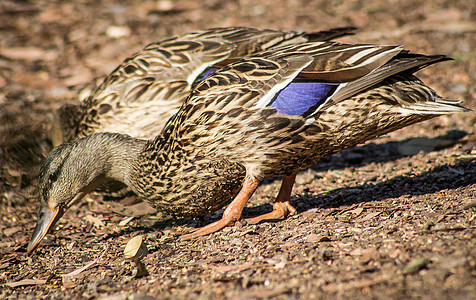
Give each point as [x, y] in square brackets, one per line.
[149, 86]
[273, 113]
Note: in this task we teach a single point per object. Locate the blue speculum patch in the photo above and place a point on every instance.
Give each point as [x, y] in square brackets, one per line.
[298, 98]
[302, 98]
[209, 71]
[204, 75]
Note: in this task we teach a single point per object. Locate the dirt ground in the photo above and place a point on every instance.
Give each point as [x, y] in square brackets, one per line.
[383, 220]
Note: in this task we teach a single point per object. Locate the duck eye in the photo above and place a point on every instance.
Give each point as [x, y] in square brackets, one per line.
[53, 177]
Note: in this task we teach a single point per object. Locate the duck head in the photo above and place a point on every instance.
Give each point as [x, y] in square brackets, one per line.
[74, 169]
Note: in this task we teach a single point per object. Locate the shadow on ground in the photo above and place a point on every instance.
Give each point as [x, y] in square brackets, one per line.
[460, 174]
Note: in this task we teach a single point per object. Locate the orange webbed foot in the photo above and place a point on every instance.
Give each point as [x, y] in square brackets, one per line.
[281, 208]
[232, 212]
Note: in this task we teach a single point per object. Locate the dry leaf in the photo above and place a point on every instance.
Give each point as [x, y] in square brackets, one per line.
[68, 283]
[365, 254]
[135, 248]
[125, 221]
[356, 211]
[312, 238]
[79, 270]
[26, 282]
[370, 216]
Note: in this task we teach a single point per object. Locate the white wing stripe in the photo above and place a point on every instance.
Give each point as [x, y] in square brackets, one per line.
[268, 97]
[372, 59]
[351, 60]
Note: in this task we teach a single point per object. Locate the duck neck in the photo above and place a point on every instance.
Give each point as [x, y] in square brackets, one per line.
[114, 155]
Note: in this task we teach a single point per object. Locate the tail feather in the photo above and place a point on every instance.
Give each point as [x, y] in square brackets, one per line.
[441, 106]
[402, 62]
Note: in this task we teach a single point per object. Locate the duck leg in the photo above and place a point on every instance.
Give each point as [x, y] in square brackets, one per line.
[281, 207]
[232, 212]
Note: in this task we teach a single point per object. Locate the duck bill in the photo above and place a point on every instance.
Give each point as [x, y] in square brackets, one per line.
[46, 221]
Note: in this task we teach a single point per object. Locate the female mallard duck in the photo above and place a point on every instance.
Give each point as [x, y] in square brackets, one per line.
[140, 95]
[271, 114]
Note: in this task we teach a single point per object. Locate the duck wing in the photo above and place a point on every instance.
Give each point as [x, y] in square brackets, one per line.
[149, 86]
[300, 103]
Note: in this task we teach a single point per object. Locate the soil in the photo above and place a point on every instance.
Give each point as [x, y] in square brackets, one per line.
[394, 218]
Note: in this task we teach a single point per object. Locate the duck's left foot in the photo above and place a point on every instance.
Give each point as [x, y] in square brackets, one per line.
[281, 207]
[232, 212]
[280, 211]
